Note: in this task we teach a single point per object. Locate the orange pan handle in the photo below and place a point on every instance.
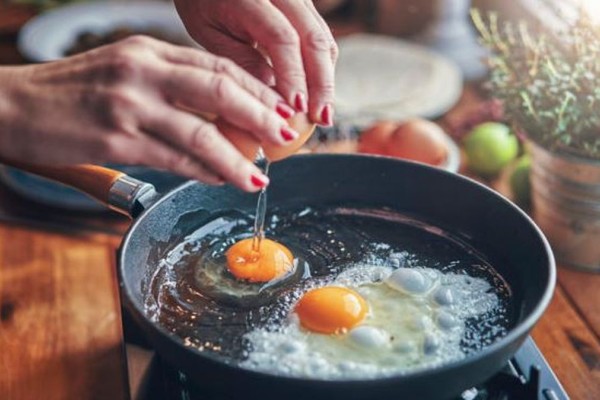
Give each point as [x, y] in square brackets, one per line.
[113, 188]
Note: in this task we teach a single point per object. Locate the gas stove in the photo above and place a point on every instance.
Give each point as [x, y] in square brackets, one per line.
[526, 377]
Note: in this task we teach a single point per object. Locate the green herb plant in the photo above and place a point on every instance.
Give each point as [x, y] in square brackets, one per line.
[549, 83]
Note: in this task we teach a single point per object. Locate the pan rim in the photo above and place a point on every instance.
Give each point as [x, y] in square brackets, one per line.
[519, 331]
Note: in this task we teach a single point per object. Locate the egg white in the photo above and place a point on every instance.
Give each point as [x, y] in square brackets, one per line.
[409, 326]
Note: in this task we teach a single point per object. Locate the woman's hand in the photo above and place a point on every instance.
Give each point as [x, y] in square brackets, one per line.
[125, 103]
[290, 33]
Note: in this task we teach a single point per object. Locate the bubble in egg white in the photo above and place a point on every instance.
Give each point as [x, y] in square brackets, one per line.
[354, 277]
[347, 366]
[431, 344]
[369, 337]
[398, 260]
[422, 322]
[444, 296]
[405, 346]
[410, 281]
[292, 347]
[318, 365]
[447, 321]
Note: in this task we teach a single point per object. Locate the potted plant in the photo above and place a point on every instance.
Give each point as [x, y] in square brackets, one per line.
[549, 84]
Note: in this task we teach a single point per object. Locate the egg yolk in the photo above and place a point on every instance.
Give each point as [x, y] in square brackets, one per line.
[269, 262]
[331, 309]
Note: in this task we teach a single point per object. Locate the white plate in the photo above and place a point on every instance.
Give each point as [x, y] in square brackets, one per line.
[47, 36]
[380, 77]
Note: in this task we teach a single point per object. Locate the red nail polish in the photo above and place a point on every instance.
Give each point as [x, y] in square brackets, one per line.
[327, 115]
[259, 180]
[284, 110]
[288, 134]
[300, 102]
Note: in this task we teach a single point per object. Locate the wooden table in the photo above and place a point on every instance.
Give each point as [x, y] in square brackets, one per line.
[60, 325]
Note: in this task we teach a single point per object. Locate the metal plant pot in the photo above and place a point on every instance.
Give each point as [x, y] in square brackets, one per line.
[566, 206]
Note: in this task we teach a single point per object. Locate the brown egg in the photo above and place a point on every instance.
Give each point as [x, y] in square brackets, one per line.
[244, 141]
[418, 140]
[300, 124]
[375, 139]
[248, 145]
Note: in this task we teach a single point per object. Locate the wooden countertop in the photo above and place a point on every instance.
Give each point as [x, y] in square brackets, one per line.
[60, 325]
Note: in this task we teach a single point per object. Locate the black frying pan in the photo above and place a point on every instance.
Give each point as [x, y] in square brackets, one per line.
[482, 218]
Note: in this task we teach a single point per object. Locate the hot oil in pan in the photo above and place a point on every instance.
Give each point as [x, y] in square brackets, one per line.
[194, 296]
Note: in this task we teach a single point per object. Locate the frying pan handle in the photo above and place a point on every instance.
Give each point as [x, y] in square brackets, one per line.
[113, 188]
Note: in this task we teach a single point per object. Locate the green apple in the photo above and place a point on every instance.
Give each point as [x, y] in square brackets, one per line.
[490, 147]
[519, 181]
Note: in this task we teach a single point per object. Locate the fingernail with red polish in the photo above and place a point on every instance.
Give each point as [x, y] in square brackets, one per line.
[284, 110]
[300, 102]
[327, 115]
[259, 181]
[289, 134]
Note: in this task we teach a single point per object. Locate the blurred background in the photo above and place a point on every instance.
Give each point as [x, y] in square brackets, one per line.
[508, 95]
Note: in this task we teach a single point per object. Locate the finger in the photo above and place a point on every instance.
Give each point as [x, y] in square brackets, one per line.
[204, 91]
[164, 157]
[266, 25]
[203, 141]
[145, 150]
[316, 45]
[246, 56]
[334, 51]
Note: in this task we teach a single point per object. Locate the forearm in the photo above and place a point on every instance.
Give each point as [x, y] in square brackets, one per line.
[123, 103]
